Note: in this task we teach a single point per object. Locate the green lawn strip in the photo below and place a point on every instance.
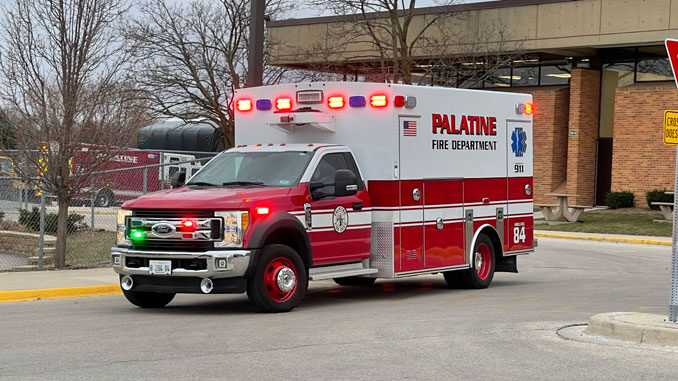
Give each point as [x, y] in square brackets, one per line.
[88, 248]
[613, 223]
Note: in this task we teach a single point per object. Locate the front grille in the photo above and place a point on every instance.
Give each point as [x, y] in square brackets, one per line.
[175, 237]
[172, 213]
[183, 263]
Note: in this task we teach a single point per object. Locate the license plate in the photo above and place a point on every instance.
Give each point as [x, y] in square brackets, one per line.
[160, 267]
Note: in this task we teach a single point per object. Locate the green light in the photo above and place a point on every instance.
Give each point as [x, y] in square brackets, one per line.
[137, 234]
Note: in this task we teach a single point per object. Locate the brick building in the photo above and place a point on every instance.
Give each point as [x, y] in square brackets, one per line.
[597, 70]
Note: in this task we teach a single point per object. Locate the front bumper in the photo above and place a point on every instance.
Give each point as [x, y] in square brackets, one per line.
[237, 262]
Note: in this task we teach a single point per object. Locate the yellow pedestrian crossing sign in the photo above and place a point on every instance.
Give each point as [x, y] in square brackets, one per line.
[670, 127]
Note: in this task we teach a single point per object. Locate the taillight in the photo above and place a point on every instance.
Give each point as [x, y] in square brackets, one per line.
[244, 105]
[335, 102]
[378, 100]
[399, 101]
[283, 103]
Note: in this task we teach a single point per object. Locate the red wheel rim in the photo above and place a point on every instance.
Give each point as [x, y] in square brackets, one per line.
[483, 260]
[280, 279]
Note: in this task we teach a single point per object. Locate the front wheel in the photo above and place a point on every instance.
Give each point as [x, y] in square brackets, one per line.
[279, 281]
[148, 299]
[482, 267]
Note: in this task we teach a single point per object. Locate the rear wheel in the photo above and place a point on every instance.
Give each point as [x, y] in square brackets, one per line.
[104, 198]
[355, 281]
[279, 281]
[482, 271]
[148, 299]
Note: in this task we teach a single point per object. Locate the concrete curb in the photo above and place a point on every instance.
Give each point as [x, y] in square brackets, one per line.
[637, 241]
[636, 327]
[58, 293]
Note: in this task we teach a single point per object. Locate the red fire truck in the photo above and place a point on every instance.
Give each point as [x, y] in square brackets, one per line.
[115, 184]
[405, 181]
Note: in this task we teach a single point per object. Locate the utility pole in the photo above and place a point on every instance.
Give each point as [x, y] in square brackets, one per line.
[255, 64]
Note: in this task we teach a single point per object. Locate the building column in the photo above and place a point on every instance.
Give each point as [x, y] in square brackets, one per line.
[583, 134]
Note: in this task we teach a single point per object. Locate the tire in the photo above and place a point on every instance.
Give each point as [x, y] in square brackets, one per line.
[272, 291]
[482, 271]
[104, 198]
[148, 299]
[355, 281]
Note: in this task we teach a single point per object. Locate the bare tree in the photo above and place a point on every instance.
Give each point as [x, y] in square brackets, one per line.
[62, 77]
[408, 50]
[191, 56]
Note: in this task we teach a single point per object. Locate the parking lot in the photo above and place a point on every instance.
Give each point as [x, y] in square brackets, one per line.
[408, 328]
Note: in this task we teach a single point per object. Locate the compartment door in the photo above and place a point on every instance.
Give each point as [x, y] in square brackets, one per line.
[411, 211]
[444, 223]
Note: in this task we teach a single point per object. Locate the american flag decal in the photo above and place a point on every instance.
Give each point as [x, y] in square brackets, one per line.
[410, 128]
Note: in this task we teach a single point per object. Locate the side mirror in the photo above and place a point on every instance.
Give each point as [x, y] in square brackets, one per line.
[178, 179]
[345, 183]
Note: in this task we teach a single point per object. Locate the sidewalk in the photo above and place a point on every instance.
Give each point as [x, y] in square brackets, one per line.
[34, 285]
[617, 238]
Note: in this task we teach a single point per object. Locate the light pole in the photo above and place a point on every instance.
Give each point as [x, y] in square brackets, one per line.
[255, 64]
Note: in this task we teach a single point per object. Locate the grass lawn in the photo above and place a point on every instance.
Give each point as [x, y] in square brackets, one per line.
[614, 222]
[89, 248]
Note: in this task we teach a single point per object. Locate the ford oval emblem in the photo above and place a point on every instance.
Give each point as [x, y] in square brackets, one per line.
[163, 229]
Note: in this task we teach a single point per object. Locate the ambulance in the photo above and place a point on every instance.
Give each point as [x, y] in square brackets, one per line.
[344, 181]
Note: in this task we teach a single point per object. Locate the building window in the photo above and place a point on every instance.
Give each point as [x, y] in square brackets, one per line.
[525, 76]
[555, 75]
[652, 65]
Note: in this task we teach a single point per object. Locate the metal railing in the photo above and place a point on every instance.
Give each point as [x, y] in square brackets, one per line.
[28, 217]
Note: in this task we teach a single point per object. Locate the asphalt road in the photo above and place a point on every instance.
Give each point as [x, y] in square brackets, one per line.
[410, 328]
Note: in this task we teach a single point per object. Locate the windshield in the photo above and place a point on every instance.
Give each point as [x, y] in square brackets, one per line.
[275, 169]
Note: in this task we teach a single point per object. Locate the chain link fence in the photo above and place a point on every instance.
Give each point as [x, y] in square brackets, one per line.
[28, 217]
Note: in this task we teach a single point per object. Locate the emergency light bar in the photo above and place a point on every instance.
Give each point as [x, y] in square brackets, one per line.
[337, 102]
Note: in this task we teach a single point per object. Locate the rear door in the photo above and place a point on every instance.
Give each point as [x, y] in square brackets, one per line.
[519, 216]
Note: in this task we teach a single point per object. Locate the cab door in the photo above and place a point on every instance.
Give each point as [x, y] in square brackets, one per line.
[340, 226]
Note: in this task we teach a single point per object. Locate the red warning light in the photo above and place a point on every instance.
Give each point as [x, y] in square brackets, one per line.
[335, 102]
[188, 226]
[399, 101]
[378, 100]
[262, 211]
[529, 109]
[244, 105]
[283, 103]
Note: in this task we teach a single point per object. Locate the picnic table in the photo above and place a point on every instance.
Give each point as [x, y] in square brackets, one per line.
[666, 207]
[552, 212]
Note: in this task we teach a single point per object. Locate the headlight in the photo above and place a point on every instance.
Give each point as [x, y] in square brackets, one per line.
[235, 223]
[122, 226]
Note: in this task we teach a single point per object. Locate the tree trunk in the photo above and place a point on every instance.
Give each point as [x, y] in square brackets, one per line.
[62, 231]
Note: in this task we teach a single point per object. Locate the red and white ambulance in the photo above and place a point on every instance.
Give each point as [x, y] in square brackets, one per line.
[343, 181]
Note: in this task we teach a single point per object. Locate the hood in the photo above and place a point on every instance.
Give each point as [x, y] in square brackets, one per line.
[211, 198]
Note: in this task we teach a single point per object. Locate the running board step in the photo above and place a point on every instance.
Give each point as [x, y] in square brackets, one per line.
[340, 271]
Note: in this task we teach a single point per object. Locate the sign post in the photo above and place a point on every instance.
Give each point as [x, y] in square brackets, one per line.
[671, 137]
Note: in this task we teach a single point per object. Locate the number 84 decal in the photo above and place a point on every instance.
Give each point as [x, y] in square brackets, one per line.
[519, 232]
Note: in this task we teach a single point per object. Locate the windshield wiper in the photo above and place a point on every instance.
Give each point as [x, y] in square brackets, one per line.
[202, 183]
[243, 183]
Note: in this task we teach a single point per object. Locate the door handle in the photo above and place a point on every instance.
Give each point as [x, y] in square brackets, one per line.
[486, 200]
[357, 206]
